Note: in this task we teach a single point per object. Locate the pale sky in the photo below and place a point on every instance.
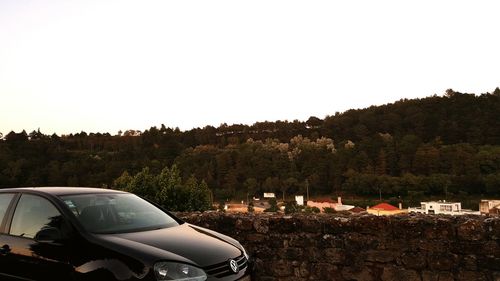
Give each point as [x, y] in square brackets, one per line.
[102, 66]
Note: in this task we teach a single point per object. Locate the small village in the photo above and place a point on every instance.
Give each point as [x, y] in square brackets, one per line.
[327, 205]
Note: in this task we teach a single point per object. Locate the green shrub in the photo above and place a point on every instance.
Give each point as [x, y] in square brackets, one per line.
[328, 210]
[250, 207]
[273, 207]
[291, 207]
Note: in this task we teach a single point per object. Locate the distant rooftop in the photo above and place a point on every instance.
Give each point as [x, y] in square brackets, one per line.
[441, 202]
[385, 207]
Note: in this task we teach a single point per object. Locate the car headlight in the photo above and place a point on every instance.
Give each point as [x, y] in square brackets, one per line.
[178, 271]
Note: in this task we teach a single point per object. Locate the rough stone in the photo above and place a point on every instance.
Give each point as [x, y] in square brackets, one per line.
[471, 229]
[281, 268]
[325, 271]
[244, 224]
[490, 262]
[437, 276]
[379, 256]
[398, 274]
[335, 256]
[302, 270]
[261, 225]
[360, 274]
[442, 262]
[291, 253]
[469, 262]
[414, 260]
[492, 227]
[471, 275]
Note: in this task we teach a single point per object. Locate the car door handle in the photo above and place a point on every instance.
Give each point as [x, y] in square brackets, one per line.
[4, 250]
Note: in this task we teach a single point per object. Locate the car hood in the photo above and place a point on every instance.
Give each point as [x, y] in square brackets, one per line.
[201, 246]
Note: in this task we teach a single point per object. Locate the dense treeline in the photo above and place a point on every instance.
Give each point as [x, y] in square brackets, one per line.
[167, 189]
[431, 146]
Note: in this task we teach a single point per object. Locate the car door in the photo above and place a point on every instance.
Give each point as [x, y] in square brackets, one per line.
[30, 257]
[5, 203]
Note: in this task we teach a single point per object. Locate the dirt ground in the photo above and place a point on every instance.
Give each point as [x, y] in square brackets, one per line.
[242, 208]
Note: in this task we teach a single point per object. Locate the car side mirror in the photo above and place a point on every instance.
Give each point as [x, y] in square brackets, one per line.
[48, 235]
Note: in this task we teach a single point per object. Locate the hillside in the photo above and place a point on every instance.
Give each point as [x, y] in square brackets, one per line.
[410, 148]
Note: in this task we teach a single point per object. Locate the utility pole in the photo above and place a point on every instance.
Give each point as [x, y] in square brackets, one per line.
[307, 189]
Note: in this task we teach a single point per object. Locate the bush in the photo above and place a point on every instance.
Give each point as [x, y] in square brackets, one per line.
[250, 207]
[310, 210]
[221, 206]
[291, 207]
[273, 207]
[328, 210]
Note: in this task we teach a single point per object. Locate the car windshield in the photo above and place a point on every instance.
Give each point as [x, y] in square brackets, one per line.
[116, 213]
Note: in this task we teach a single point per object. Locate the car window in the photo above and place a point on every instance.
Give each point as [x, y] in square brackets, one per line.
[116, 213]
[32, 214]
[4, 204]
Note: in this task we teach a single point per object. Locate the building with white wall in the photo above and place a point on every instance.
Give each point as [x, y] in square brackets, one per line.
[442, 207]
[489, 206]
[329, 203]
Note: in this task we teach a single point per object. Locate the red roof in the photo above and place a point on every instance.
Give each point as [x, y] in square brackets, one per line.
[357, 210]
[385, 207]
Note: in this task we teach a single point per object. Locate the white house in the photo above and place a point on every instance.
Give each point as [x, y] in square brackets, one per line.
[489, 206]
[442, 207]
[329, 203]
[269, 195]
[300, 200]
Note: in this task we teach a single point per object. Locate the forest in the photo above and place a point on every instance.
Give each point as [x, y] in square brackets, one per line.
[432, 146]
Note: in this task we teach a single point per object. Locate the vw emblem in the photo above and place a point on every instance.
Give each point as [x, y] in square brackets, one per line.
[234, 266]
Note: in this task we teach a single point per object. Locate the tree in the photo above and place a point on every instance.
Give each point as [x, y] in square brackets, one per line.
[167, 189]
[13, 138]
[314, 122]
[251, 186]
[290, 185]
[496, 92]
[171, 193]
[144, 184]
[407, 148]
[36, 135]
[54, 176]
[381, 163]
[492, 183]
[426, 160]
[271, 184]
[198, 194]
[123, 182]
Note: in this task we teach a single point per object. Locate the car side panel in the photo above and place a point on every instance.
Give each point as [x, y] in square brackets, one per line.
[6, 262]
[92, 261]
[35, 261]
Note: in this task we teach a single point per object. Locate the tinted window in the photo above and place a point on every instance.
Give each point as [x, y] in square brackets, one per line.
[4, 204]
[32, 214]
[112, 213]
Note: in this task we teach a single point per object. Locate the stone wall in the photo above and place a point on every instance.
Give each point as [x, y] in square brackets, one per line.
[364, 247]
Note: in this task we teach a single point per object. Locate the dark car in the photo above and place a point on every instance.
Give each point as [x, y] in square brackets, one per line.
[63, 233]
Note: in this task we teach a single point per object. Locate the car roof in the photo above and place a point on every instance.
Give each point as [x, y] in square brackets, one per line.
[57, 191]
